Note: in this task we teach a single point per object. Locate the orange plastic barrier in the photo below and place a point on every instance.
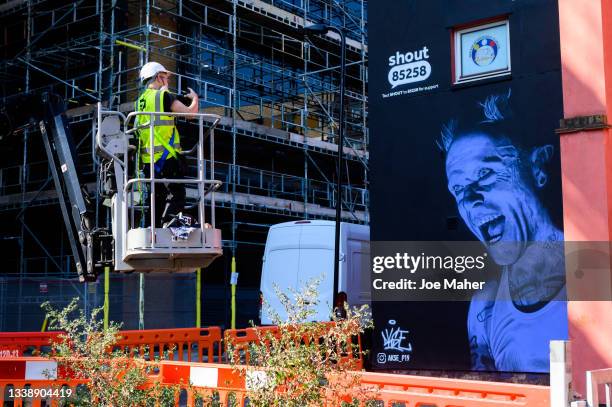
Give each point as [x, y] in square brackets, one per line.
[36, 380]
[161, 343]
[390, 390]
[407, 390]
[228, 384]
[33, 380]
[164, 343]
[209, 381]
[225, 384]
[17, 344]
[241, 339]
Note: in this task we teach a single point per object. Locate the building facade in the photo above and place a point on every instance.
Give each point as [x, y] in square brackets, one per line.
[485, 120]
[250, 62]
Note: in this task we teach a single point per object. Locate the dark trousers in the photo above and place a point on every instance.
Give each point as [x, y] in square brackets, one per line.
[169, 198]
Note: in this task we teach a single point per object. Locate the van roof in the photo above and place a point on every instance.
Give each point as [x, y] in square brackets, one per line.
[317, 222]
[314, 222]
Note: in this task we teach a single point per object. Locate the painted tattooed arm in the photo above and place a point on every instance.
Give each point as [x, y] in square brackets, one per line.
[479, 317]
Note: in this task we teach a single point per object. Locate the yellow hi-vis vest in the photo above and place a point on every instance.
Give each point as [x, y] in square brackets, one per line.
[152, 100]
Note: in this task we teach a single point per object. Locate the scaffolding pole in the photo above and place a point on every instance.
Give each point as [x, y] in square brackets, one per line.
[234, 274]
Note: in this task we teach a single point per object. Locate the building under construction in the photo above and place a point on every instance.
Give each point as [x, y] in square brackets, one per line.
[276, 89]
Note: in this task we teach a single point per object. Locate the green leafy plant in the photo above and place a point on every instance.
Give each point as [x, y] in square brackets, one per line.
[304, 363]
[87, 351]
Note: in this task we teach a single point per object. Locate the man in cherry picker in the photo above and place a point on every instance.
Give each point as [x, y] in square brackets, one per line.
[166, 149]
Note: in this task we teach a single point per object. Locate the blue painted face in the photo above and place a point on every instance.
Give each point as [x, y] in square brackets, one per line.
[495, 193]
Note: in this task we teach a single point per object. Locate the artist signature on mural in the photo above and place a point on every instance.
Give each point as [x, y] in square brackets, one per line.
[395, 338]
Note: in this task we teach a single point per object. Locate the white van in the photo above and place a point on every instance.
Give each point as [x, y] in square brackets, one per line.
[299, 251]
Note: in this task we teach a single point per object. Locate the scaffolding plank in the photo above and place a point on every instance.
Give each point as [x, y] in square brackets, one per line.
[247, 202]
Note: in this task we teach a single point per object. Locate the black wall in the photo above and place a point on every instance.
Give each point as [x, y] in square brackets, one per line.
[410, 200]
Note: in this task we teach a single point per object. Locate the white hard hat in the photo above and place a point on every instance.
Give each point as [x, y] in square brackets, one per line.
[150, 69]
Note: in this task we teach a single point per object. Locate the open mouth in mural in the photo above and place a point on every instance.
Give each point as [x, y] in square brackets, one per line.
[491, 227]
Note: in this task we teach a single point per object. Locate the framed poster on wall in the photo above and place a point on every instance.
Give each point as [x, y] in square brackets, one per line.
[482, 51]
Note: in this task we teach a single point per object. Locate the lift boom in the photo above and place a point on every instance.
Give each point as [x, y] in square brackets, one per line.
[91, 247]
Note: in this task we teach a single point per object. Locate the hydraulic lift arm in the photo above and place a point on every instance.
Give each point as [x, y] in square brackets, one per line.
[90, 246]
